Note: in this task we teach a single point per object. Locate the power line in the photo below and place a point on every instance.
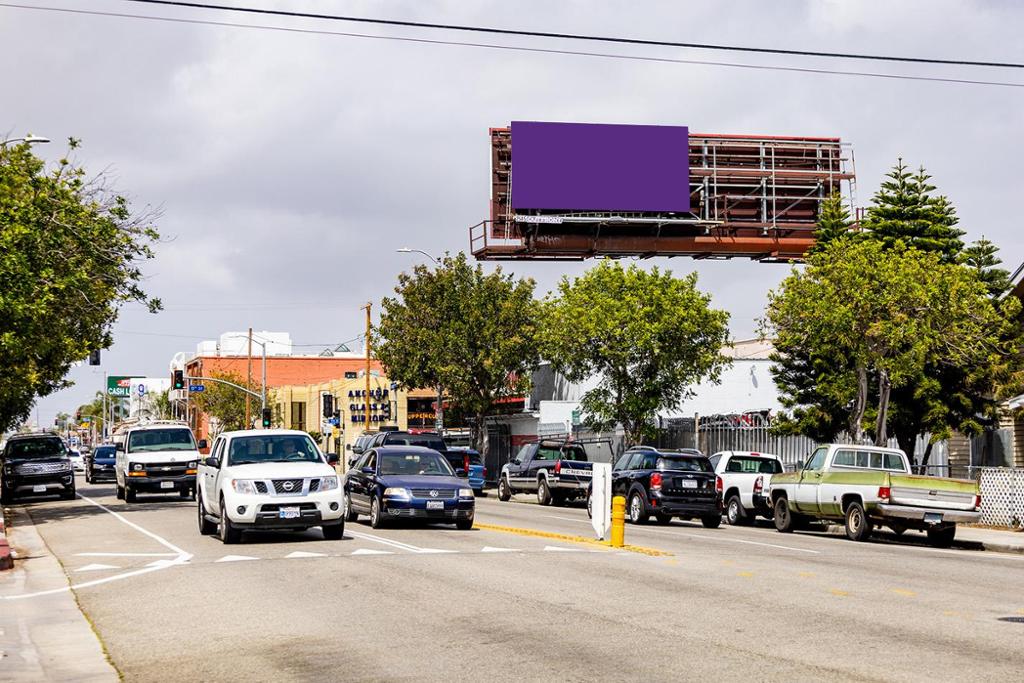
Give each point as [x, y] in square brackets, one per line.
[573, 36]
[514, 48]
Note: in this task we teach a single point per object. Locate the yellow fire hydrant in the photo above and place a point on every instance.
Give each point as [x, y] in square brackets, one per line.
[618, 521]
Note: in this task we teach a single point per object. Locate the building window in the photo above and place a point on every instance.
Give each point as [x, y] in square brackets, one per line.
[298, 415]
[351, 375]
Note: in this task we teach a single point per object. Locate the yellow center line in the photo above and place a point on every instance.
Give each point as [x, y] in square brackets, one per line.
[745, 575]
[569, 538]
[838, 593]
[806, 575]
[904, 592]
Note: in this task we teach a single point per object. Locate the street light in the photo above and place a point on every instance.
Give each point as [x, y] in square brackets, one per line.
[439, 407]
[28, 140]
[263, 347]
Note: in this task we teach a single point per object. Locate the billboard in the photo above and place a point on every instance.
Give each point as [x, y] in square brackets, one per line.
[600, 167]
[119, 386]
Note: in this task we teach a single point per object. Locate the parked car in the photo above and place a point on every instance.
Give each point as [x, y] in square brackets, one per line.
[867, 486]
[359, 447]
[35, 464]
[155, 457]
[99, 464]
[667, 484]
[557, 471]
[746, 477]
[471, 462]
[430, 440]
[407, 482]
[77, 462]
[268, 479]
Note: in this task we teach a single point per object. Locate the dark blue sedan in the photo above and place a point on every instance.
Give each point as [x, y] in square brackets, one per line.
[407, 482]
[99, 465]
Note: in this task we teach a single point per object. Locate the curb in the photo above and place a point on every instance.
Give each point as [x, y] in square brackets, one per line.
[837, 530]
[6, 561]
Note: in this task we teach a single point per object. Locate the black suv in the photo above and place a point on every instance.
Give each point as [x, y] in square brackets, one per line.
[667, 484]
[35, 464]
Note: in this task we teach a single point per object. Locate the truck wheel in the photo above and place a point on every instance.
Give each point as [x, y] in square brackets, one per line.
[346, 505]
[637, 512]
[711, 521]
[120, 490]
[206, 527]
[734, 512]
[558, 498]
[543, 492]
[68, 494]
[6, 497]
[942, 537]
[333, 532]
[663, 519]
[229, 535]
[464, 524]
[590, 507]
[784, 521]
[504, 491]
[858, 526]
[376, 518]
[129, 493]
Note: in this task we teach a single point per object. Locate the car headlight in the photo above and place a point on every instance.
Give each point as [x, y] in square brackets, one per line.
[66, 465]
[194, 464]
[328, 483]
[393, 492]
[246, 486]
[465, 493]
[137, 466]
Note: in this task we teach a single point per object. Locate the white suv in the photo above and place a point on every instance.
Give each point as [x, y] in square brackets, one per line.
[268, 479]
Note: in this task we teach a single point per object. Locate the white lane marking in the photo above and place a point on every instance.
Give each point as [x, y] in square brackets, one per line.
[236, 558]
[491, 549]
[302, 553]
[160, 564]
[396, 544]
[557, 549]
[181, 557]
[96, 567]
[126, 554]
[703, 538]
[370, 551]
[436, 551]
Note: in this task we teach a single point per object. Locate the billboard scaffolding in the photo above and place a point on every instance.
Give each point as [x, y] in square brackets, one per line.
[753, 197]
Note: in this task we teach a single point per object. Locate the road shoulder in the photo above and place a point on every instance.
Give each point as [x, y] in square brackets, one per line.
[43, 633]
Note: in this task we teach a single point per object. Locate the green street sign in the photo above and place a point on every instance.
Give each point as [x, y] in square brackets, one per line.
[576, 417]
[119, 386]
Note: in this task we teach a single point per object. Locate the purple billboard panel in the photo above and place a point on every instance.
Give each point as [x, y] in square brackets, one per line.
[600, 167]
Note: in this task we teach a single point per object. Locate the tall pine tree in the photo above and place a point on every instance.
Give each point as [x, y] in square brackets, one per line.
[904, 210]
[833, 222]
[983, 257]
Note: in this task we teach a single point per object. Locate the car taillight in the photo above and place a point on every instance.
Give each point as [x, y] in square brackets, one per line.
[718, 485]
[884, 493]
[485, 473]
[759, 485]
[656, 481]
[558, 466]
[465, 463]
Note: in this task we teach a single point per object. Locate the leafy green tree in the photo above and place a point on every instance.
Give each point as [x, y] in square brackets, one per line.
[888, 315]
[983, 257]
[70, 255]
[833, 222]
[648, 336]
[223, 402]
[904, 210]
[455, 326]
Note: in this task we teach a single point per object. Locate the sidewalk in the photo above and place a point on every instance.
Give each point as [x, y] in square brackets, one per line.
[43, 634]
[6, 560]
[969, 537]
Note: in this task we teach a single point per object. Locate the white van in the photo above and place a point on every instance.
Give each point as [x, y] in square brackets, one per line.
[155, 457]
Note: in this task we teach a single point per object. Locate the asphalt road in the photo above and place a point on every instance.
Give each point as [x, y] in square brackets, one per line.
[430, 603]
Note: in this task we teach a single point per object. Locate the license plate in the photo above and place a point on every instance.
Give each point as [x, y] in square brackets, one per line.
[435, 505]
[289, 513]
[167, 484]
[933, 517]
[687, 484]
[41, 488]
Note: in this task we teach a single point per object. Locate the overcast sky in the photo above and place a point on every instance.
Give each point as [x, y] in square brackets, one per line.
[289, 166]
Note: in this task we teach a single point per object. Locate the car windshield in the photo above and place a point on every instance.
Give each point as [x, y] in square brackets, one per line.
[104, 452]
[684, 463]
[752, 464]
[32, 449]
[172, 439]
[246, 450]
[420, 464]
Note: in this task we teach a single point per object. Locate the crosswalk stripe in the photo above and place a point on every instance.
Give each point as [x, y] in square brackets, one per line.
[96, 567]
[370, 551]
[491, 549]
[301, 553]
[236, 558]
[559, 549]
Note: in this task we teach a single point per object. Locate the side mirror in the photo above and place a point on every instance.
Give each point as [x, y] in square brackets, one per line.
[211, 462]
[348, 447]
[352, 461]
[333, 459]
[358, 450]
[119, 447]
[367, 470]
[202, 444]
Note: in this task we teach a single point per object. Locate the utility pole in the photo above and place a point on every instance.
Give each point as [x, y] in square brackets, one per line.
[367, 404]
[248, 384]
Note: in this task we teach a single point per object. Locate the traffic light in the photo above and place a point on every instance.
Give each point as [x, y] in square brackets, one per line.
[266, 418]
[94, 357]
[78, 416]
[328, 405]
[179, 379]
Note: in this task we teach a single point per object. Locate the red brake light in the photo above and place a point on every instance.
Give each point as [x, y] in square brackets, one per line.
[718, 485]
[656, 480]
[759, 485]
[558, 467]
[884, 493]
[465, 463]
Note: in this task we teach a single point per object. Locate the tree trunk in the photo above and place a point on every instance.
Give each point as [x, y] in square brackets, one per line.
[884, 389]
[907, 441]
[924, 458]
[857, 415]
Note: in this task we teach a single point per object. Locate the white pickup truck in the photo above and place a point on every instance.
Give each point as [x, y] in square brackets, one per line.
[746, 477]
[268, 479]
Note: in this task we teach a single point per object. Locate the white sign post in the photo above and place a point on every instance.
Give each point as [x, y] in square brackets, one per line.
[601, 499]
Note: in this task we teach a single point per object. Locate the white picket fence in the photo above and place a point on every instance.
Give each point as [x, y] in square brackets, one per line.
[1002, 496]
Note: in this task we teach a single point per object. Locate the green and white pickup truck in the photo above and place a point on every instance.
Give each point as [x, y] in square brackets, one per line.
[867, 486]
